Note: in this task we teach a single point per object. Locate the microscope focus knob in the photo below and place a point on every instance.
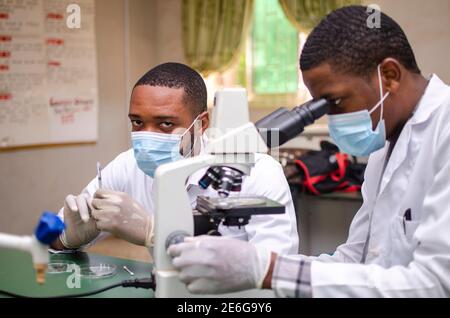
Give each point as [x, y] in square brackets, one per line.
[176, 238]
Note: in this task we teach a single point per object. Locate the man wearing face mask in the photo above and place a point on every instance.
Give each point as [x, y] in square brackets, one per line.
[168, 114]
[399, 242]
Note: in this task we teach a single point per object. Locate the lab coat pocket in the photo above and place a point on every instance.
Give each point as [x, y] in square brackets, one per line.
[410, 229]
[402, 242]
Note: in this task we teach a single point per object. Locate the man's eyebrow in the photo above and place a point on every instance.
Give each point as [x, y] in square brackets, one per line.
[161, 117]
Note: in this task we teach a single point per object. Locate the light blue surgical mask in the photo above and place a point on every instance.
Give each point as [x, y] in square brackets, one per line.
[353, 133]
[153, 149]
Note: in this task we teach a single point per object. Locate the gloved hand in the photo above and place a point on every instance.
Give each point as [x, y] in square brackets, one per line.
[117, 213]
[80, 229]
[216, 265]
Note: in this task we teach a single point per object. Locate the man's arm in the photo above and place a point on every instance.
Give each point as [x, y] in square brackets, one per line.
[427, 275]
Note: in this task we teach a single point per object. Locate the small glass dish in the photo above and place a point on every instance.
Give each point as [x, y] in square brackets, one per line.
[97, 270]
[58, 267]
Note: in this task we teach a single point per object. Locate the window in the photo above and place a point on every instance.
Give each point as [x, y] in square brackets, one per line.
[268, 67]
[274, 50]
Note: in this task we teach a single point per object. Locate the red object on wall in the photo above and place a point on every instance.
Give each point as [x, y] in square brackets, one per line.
[54, 41]
[5, 38]
[55, 16]
[5, 97]
[5, 54]
[54, 63]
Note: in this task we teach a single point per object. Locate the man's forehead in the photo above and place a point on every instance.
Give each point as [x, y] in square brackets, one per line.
[160, 101]
[158, 93]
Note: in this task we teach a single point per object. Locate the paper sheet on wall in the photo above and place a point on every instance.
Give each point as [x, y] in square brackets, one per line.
[48, 73]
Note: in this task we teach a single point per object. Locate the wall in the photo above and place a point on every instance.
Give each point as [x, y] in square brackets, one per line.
[35, 180]
[427, 26]
[154, 35]
[140, 38]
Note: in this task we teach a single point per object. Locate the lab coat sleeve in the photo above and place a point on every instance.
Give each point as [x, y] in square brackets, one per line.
[276, 232]
[427, 275]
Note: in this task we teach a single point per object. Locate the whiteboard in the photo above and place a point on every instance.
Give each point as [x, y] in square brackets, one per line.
[48, 72]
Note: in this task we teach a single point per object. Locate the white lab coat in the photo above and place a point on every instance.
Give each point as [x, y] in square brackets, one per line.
[404, 259]
[273, 232]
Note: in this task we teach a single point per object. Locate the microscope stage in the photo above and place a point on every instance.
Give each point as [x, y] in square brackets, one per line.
[238, 206]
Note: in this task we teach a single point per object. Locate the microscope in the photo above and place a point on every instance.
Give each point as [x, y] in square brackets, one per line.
[230, 155]
[47, 230]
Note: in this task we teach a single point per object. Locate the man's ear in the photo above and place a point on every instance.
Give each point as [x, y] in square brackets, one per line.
[204, 117]
[391, 74]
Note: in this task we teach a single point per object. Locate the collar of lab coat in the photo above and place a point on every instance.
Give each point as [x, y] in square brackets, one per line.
[435, 94]
[433, 97]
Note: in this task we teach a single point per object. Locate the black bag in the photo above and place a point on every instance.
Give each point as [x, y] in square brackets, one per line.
[326, 171]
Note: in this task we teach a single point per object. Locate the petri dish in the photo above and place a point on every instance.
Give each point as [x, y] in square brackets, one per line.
[97, 271]
[58, 267]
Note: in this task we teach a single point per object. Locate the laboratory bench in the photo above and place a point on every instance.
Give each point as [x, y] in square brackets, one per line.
[17, 276]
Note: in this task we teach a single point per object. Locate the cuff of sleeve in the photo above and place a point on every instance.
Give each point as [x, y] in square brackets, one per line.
[292, 277]
[64, 242]
[67, 246]
[263, 263]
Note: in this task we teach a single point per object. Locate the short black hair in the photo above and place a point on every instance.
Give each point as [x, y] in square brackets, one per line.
[177, 75]
[345, 41]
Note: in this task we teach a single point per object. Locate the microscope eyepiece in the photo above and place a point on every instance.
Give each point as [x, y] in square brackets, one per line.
[282, 125]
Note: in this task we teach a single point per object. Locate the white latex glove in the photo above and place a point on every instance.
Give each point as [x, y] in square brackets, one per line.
[216, 265]
[80, 229]
[117, 213]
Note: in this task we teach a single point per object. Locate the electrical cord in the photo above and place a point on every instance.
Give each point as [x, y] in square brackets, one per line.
[146, 283]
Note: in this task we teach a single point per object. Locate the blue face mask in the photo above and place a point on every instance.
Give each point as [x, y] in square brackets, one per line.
[153, 149]
[353, 133]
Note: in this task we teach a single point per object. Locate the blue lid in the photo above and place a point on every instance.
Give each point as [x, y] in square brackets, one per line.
[49, 228]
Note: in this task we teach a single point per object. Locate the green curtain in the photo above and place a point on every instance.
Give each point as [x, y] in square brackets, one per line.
[306, 14]
[214, 32]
